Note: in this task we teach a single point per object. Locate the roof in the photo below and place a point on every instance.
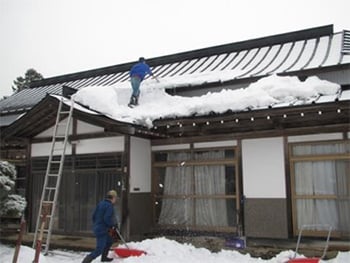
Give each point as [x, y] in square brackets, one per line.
[43, 116]
[329, 112]
[311, 49]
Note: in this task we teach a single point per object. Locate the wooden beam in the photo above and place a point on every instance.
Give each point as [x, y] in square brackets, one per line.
[256, 134]
[79, 137]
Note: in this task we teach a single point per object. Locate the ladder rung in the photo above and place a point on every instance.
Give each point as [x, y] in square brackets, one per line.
[64, 112]
[50, 188]
[56, 161]
[53, 175]
[60, 136]
[48, 202]
[47, 217]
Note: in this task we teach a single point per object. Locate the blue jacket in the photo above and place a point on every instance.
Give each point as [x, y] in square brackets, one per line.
[140, 70]
[103, 217]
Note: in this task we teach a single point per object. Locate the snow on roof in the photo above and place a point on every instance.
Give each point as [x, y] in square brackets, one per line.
[315, 49]
[155, 103]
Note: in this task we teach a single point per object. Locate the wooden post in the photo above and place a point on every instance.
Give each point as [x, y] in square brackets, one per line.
[19, 240]
[40, 238]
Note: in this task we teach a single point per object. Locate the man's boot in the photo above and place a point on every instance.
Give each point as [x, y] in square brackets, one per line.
[87, 259]
[132, 101]
[104, 257]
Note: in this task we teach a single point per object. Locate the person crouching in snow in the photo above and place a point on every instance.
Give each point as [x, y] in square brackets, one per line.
[137, 73]
[103, 220]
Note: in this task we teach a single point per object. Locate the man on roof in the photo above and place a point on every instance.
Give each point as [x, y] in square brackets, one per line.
[137, 74]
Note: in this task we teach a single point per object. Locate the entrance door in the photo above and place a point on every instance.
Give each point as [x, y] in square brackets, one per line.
[80, 192]
[82, 187]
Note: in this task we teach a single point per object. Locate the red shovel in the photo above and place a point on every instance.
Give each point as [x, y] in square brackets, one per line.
[127, 252]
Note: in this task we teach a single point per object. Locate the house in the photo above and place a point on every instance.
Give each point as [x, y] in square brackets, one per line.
[259, 171]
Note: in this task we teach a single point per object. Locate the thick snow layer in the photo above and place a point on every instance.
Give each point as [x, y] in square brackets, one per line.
[158, 250]
[155, 103]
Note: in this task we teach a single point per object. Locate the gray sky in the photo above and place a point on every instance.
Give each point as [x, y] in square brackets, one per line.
[63, 36]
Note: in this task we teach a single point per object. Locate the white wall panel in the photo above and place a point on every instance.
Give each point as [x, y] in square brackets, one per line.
[49, 131]
[140, 165]
[84, 128]
[215, 144]
[263, 168]
[171, 147]
[101, 145]
[316, 137]
[43, 149]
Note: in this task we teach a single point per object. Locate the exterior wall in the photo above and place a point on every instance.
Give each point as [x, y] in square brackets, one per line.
[215, 144]
[140, 214]
[86, 146]
[264, 187]
[140, 165]
[266, 217]
[43, 149]
[316, 137]
[263, 168]
[140, 197]
[101, 145]
[171, 147]
[83, 128]
[49, 131]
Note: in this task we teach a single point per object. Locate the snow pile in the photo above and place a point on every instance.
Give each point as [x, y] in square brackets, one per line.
[155, 103]
[169, 251]
[158, 250]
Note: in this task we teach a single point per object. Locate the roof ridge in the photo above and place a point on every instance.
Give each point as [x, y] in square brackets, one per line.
[208, 51]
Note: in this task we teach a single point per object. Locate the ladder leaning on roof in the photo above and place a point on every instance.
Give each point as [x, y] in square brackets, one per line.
[53, 175]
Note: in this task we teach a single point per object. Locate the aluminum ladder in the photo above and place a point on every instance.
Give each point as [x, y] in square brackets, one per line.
[53, 176]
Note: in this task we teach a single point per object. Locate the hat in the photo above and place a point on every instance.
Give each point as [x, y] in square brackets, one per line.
[141, 59]
[112, 193]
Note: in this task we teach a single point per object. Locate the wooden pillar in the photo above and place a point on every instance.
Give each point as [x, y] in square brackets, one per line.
[125, 221]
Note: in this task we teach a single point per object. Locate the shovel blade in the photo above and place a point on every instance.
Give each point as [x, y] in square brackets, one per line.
[125, 252]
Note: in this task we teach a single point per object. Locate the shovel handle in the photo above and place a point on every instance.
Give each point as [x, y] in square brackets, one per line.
[121, 238]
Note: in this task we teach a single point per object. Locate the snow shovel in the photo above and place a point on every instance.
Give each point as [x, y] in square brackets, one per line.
[314, 259]
[127, 252]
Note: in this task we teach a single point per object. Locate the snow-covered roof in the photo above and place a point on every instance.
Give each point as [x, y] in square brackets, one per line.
[301, 51]
[272, 103]
[155, 103]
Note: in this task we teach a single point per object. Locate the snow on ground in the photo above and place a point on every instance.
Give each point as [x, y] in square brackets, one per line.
[158, 250]
[155, 103]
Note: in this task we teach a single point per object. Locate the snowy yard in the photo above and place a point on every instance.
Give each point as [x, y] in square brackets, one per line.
[159, 250]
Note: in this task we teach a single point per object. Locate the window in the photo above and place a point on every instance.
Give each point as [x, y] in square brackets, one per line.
[196, 189]
[85, 181]
[321, 186]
